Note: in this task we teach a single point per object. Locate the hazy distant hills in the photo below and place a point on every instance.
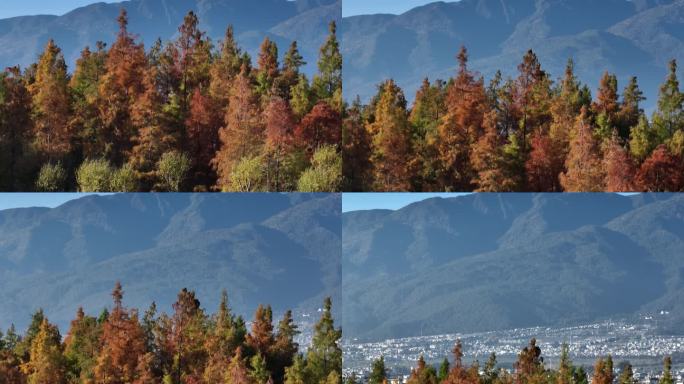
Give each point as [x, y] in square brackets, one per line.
[501, 261]
[22, 39]
[252, 245]
[626, 37]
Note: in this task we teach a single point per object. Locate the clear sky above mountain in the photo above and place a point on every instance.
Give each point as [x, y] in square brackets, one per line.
[12, 8]
[48, 200]
[394, 201]
[366, 7]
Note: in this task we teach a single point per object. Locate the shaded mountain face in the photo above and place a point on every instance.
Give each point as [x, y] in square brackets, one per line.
[252, 245]
[486, 262]
[22, 39]
[625, 37]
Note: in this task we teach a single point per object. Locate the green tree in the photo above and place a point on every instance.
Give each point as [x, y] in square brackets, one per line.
[47, 365]
[666, 378]
[324, 356]
[247, 175]
[325, 174]
[327, 84]
[669, 117]
[94, 176]
[378, 373]
[51, 178]
[172, 171]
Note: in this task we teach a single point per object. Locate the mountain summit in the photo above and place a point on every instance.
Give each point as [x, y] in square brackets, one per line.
[626, 37]
[22, 39]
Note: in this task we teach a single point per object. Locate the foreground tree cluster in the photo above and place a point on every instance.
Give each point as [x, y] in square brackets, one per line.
[189, 346]
[528, 369]
[521, 134]
[179, 116]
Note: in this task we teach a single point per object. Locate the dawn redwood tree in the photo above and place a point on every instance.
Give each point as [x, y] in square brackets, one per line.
[606, 106]
[661, 172]
[187, 338]
[242, 136]
[120, 89]
[466, 103]
[280, 124]
[488, 157]
[603, 371]
[47, 364]
[122, 344]
[530, 364]
[391, 138]
[531, 97]
[356, 150]
[260, 339]
[202, 127]
[85, 121]
[51, 104]
[284, 348]
[627, 375]
[630, 108]
[544, 165]
[584, 171]
[422, 373]
[267, 66]
[620, 169]
[16, 133]
[225, 68]
[322, 126]
[237, 371]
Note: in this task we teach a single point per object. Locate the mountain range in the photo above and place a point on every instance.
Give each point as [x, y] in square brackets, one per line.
[22, 39]
[487, 262]
[277, 249]
[625, 37]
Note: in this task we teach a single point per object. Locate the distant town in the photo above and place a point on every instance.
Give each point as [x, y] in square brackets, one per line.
[635, 341]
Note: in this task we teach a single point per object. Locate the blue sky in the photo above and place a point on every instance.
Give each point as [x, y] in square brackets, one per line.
[24, 200]
[365, 7]
[11, 8]
[394, 201]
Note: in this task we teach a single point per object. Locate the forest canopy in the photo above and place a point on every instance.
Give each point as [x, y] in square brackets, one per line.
[526, 133]
[183, 115]
[189, 346]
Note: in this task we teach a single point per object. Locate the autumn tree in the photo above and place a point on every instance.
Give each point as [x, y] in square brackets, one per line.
[620, 169]
[267, 66]
[488, 159]
[584, 171]
[16, 133]
[202, 126]
[280, 125]
[603, 371]
[391, 140]
[237, 371]
[122, 344]
[243, 133]
[120, 89]
[661, 172]
[187, 338]
[606, 106]
[51, 104]
[460, 128]
[356, 150]
[630, 108]
[422, 373]
[47, 365]
[530, 364]
[322, 126]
